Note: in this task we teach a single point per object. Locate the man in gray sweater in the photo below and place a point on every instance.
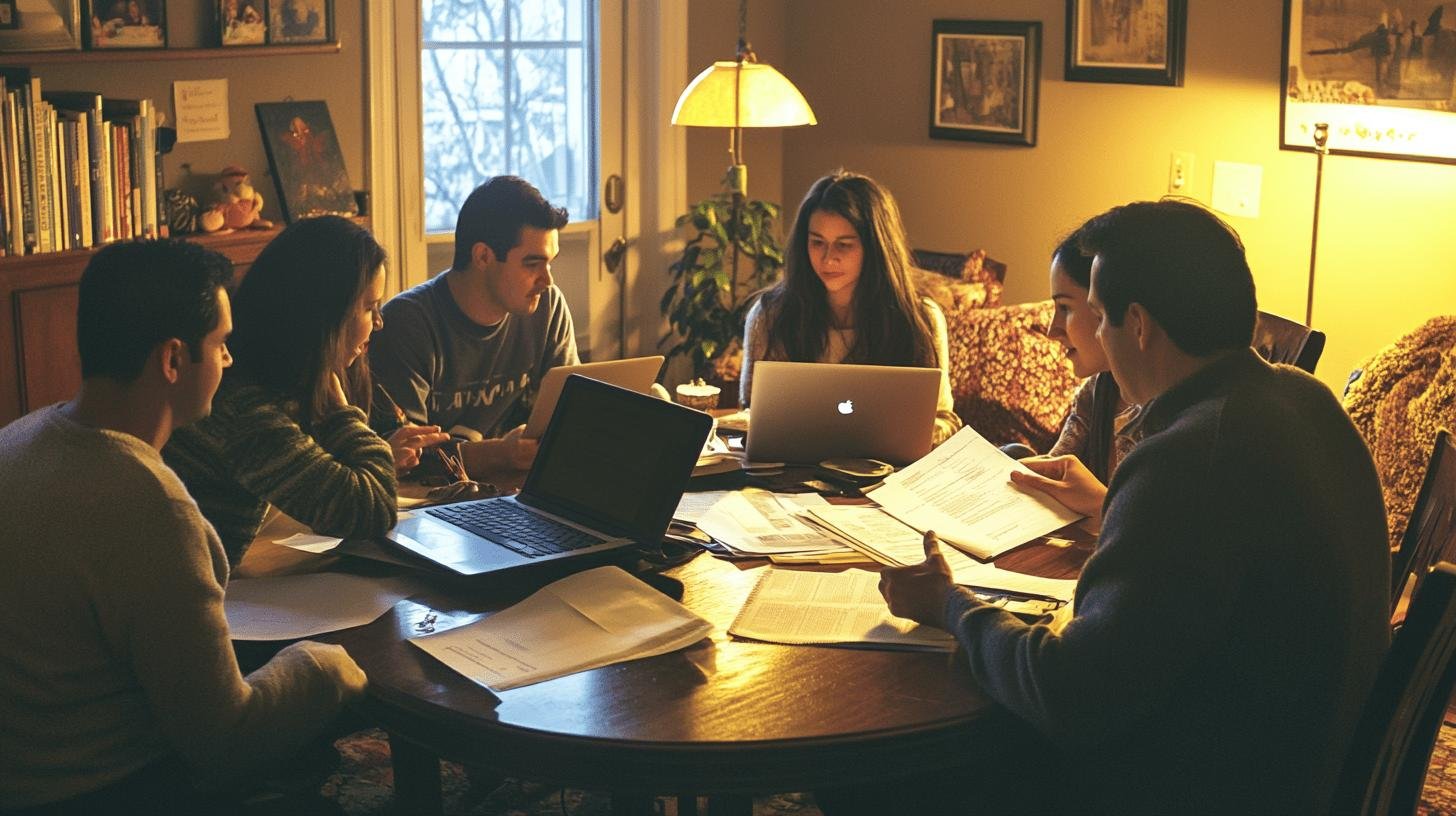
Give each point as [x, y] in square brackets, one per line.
[119, 690]
[466, 350]
[1231, 622]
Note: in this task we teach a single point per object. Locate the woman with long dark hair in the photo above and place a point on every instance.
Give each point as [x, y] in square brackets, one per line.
[289, 426]
[846, 295]
[1102, 427]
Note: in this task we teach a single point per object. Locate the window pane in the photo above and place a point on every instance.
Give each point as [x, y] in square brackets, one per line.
[520, 102]
[550, 125]
[463, 20]
[464, 127]
[550, 20]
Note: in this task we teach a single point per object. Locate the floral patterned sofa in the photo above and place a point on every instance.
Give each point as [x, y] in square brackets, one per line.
[1011, 382]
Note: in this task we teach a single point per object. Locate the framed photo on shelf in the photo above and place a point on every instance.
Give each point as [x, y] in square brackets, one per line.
[293, 22]
[1379, 74]
[984, 80]
[1136, 42]
[40, 25]
[128, 24]
[242, 22]
[303, 153]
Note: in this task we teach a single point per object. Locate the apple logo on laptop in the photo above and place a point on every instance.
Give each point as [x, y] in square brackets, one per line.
[846, 407]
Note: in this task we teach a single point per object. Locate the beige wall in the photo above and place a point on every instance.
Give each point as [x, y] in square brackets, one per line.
[1386, 236]
[338, 79]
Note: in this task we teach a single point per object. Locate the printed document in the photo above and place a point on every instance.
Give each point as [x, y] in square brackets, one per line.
[798, 607]
[962, 490]
[583, 621]
[887, 540]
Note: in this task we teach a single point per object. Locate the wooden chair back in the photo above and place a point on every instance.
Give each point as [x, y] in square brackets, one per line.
[1386, 766]
[1430, 536]
[1280, 340]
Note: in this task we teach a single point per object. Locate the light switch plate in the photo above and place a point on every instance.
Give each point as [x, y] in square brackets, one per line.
[1236, 188]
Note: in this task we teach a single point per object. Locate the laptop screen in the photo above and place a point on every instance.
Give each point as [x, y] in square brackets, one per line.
[614, 459]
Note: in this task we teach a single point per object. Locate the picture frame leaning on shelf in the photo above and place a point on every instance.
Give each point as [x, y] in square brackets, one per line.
[40, 25]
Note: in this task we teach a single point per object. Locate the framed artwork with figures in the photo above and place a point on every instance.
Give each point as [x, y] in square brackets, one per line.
[1136, 42]
[1380, 73]
[242, 22]
[292, 22]
[984, 80]
[128, 24]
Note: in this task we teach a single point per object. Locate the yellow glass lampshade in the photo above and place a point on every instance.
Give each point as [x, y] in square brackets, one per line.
[765, 97]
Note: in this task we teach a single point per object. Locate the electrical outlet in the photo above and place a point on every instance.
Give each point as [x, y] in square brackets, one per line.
[1180, 173]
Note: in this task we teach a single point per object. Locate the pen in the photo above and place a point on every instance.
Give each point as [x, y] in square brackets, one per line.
[399, 414]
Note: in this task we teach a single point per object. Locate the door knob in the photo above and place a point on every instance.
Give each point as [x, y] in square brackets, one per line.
[614, 254]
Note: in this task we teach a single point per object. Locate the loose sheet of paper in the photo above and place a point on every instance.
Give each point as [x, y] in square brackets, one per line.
[289, 607]
[798, 607]
[887, 540]
[308, 542]
[757, 522]
[962, 491]
[583, 621]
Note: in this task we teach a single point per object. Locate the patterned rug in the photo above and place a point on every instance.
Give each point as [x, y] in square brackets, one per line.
[364, 786]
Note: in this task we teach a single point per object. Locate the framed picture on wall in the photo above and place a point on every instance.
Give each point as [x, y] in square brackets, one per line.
[1139, 42]
[40, 25]
[242, 22]
[984, 80]
[1380, 73]
[303, 153]
[128, 24]
[300, 21]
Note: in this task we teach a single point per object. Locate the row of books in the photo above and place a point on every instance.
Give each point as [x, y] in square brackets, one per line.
[76, 169]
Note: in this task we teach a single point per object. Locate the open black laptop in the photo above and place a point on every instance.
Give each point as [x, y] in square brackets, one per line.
[609, 472]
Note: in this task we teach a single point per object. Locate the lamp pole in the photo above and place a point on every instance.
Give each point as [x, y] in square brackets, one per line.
[1321, 141]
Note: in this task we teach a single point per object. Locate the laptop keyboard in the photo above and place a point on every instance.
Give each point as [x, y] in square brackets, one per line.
[514, 527]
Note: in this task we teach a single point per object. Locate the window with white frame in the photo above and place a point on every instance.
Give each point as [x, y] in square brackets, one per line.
[509, 86]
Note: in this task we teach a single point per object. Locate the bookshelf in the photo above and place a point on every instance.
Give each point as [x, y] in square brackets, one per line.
[39, 363]
[164, 54]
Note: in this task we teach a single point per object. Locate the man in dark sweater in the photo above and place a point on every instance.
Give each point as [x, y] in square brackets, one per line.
[1231, 622]
[466, 349]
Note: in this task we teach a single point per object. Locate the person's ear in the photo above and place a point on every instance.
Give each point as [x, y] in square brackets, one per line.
[481, 254]
[167, 358]
[1137, 321]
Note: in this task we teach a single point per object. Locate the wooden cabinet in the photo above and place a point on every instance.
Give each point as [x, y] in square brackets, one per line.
[39, 363]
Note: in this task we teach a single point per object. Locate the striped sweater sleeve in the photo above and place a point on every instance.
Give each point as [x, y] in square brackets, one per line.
[339, 480]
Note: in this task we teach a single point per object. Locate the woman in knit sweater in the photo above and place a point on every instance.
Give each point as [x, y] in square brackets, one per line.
[289, 424]
[846, 295]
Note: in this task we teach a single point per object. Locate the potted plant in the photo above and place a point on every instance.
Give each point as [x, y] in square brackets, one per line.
[732, 252]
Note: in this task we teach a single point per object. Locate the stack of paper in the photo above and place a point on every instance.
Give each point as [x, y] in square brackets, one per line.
[962, 490]
[295, 606]
[590, 619]
[798, 607]
[755, 522]
[890, 542]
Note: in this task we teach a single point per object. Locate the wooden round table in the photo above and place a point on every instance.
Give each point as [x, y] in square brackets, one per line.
[725, 718]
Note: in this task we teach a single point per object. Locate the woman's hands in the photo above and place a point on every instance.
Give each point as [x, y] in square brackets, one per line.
[408, 440]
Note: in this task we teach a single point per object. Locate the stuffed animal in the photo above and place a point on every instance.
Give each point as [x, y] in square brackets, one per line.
[237, 205]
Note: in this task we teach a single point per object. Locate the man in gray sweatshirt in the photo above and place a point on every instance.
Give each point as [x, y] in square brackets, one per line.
[119, 690]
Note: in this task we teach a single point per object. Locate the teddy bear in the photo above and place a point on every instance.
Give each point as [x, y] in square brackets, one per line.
[236, 205]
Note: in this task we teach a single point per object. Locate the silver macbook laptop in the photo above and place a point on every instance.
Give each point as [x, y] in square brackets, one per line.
[609, 472]
[809, 412]
[636, 373]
